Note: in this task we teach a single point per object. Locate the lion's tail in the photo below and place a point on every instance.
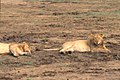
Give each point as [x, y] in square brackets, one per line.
[54, 49]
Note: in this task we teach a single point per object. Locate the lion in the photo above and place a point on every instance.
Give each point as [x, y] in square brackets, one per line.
[93, 43]
[16, 49]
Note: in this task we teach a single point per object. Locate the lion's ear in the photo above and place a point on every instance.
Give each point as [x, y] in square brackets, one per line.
[102, 35]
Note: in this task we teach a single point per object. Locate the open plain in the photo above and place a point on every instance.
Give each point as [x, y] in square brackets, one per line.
[48, 24]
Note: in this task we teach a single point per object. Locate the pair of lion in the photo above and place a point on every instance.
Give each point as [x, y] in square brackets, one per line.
[95, 43]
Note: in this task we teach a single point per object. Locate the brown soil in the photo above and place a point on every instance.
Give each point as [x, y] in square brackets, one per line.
[49, 25]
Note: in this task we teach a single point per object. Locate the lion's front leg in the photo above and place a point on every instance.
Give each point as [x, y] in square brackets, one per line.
[13, 51]
[16, 52]
[106, 49]
[20, 52]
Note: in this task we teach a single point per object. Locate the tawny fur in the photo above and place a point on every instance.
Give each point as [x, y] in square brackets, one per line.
[95, 42]
[15, 48]
[4, 48]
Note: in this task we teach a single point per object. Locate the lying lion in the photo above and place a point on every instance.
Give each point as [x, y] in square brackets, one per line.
[16, 49]
[94, 43]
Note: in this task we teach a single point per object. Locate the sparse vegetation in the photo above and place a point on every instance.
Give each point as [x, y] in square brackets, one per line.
[50, 23]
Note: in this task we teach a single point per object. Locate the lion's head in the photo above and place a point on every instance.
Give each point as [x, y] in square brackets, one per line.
[97, 39]
[26, 48]
[20, 49]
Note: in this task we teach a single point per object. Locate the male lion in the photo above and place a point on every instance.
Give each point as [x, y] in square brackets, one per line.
[15, 48]
[94, 42]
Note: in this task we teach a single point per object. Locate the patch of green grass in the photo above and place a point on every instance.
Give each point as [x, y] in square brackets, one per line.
[29, 63]
[28, 79]
[104, 13]
[0, 63]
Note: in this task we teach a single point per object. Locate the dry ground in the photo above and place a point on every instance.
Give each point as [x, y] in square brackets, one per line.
[48, 24]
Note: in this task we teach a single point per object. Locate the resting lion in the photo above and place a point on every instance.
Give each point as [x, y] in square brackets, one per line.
[16, 49]
[94, 43]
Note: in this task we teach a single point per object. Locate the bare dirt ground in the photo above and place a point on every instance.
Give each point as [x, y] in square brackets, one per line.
[48, 24]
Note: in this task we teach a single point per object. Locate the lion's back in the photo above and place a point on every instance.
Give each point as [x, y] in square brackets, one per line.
[81, 45]
[4, 48]
[78, 45]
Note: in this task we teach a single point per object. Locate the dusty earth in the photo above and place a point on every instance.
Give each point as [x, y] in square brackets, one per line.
[48, 24]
